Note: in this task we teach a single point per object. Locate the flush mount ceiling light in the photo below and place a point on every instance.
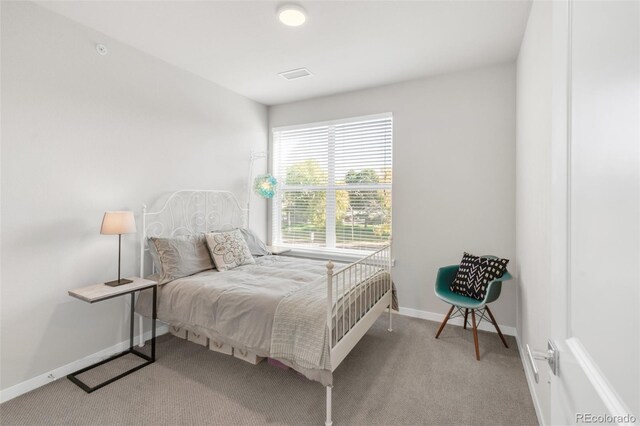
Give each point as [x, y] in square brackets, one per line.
[292, 15]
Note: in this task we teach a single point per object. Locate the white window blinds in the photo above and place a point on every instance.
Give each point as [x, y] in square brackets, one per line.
[334, 184]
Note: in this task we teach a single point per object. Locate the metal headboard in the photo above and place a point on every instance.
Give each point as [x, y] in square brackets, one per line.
[190, 212]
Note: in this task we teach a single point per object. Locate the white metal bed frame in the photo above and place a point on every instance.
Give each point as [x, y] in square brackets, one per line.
[354, 306]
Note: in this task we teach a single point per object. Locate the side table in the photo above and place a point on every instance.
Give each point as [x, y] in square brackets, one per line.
[100, 292]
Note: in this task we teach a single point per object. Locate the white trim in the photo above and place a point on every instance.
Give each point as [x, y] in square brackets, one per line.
[609, 397]
[43, 379]
[333, 122]
[324, 138]
[60, 372]
[338, 255]
[506, 330]
[336, 187]
[569, 160]
[432, 316]
[530, 382]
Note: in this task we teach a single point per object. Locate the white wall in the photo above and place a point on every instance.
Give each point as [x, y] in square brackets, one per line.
[454, 172]
[82, 134]
[533, 191]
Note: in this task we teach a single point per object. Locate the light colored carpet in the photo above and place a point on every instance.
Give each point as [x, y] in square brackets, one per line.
[402, 378]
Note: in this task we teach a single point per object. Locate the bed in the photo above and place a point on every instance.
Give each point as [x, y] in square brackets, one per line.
[280, 307]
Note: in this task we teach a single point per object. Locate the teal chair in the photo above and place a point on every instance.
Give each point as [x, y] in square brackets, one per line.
[459, 302]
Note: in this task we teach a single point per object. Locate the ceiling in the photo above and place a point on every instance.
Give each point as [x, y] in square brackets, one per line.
[347, 45]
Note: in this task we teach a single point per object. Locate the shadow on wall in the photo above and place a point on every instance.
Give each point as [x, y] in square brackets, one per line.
[63, 340]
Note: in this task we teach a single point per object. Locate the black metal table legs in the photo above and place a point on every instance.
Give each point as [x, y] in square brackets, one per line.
[149, 359]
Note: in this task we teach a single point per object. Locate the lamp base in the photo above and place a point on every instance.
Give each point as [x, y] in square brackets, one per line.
[118, 282]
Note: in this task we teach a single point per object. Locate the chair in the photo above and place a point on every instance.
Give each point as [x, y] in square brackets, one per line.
[445, 277]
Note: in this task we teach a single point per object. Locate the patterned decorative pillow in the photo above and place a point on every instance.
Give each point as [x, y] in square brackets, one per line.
[229, 249]
[476, 273]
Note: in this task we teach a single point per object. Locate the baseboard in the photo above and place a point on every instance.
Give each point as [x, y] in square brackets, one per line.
[530, 381]
[50, 376]
[507, 330]
[432, 316]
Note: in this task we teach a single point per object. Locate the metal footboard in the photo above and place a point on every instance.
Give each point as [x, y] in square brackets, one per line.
[356, 296]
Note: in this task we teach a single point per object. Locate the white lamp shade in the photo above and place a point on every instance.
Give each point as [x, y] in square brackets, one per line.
[114, 223]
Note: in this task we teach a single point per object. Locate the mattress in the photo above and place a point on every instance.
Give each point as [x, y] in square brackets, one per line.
[238, 306]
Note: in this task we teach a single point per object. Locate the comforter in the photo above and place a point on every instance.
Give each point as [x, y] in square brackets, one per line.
[253, 307]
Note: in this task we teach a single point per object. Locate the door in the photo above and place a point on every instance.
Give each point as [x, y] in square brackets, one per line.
[596, 212]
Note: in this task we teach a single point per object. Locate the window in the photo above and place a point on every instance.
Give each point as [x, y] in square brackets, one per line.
[334, 184]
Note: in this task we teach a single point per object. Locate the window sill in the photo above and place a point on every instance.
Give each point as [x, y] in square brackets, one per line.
[325, 255]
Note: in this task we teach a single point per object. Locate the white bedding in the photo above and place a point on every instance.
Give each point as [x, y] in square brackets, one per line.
[238, 307]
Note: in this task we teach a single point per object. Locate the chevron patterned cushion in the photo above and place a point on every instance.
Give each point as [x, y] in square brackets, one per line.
[476, 273]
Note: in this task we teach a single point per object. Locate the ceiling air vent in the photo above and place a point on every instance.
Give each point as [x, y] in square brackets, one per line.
[297, 73]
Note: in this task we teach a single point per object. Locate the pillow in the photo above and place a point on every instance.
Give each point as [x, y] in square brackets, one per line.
[256, 246]
[154, 255]
[180, 256]
[476, 273]
[229, 249]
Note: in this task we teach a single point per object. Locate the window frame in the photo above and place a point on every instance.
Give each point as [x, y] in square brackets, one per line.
[274, 211]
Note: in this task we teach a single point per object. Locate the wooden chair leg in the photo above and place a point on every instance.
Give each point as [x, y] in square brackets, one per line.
[444, 322]
[495, 324]
[466, 315]
[475, 333]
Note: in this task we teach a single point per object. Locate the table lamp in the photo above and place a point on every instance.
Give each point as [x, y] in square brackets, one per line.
[118, 223]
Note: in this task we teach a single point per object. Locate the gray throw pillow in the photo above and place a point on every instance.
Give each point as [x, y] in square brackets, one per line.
[229, 249]
[180, 256]
[256, 246]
